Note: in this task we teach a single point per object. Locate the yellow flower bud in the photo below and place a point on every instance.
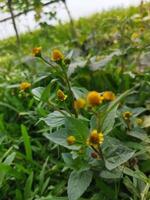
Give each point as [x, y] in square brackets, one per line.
[57, 55]
[79, 103]
[71, 140]
[94, 98]
[25, 85]
[61, 96]
[109, 96]
[36, 51]
[127, 115]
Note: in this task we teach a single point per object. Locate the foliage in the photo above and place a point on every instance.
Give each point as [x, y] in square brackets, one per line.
[77, 127]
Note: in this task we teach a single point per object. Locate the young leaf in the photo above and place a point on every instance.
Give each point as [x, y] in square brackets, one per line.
[26, 140]
[28, 185]
[78, 183]
[46, 93]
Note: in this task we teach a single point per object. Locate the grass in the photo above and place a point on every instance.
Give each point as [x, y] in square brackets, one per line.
[60, 36]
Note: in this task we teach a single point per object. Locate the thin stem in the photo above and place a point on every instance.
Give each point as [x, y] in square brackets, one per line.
[57, 109]
[46, 61]
[69, 88]
[99, 152]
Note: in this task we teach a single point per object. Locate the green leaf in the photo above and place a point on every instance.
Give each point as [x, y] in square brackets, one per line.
[136, 174]
[140, 134]
[28, 186]
[118, 99]
[115, 153]
[79, 92]
[26, 140]
[50, 197]
[138, 111]
[10, 158]
[130, 186]
[109, 120]
[18, 195]
[67, 157]
[55, 119]
[114, 174]
[60, 137]
[9, 106]
[5, 166]
[78, 128]
[95, 65]
[46, 93]
[42, 175]
[105, 189]
[37, 92]
[78, 183]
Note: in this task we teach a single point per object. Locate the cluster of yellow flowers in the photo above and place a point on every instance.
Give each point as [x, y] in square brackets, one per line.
[94, 99]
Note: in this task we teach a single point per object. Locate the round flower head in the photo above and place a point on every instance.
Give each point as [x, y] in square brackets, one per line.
[95, 139]
[36, 51]
[127, 115]
[57, 55]
[109, 96]
[79, 103]
[94, 98]
[61, 96]
[71, 140]
[25, 85]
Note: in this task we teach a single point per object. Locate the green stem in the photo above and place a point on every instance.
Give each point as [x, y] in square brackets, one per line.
[46, 61]
[57, 109]
[69, 88]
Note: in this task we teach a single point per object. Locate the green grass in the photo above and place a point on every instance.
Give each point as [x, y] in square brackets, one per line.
[59, 36]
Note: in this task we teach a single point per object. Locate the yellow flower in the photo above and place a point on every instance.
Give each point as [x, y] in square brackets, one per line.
[36, 51]
[61, 96]
[25, 85]
[94, 98]
[57, 55]
[109, 96]
[79, 103]
[71, 139]
[139, 121]
[95, 139]
[127, 115]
